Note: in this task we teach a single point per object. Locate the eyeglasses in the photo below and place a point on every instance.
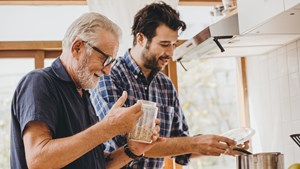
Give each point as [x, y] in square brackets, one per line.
[108, 59]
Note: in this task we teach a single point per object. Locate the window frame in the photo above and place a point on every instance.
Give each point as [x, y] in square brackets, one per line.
[39, 50]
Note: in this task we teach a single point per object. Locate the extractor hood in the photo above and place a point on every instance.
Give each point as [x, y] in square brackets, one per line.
[223, 39]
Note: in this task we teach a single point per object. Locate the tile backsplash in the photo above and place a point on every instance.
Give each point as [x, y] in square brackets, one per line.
[274, 101]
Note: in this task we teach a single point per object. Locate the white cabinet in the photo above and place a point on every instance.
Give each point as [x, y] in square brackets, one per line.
[290, 3]
[253, 13]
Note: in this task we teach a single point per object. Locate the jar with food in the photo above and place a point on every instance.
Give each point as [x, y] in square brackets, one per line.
[145, 126]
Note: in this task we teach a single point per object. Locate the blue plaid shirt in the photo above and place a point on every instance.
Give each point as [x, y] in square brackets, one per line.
[125, 75]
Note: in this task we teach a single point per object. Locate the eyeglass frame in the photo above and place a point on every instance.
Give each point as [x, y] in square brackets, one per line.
[108, 59]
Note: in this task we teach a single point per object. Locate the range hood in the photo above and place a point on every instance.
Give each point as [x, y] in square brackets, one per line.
[223, 39]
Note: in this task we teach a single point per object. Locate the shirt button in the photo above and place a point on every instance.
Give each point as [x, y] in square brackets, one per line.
[146, 88]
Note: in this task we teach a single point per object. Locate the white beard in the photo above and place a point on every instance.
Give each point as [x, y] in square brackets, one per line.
[85, 78]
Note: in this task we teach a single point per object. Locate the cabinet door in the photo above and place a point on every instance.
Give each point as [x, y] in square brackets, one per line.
[253, 13]
[290, 3]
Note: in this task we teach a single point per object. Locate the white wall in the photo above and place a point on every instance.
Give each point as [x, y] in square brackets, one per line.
[49, 22]
[39, 22]
[274, 97]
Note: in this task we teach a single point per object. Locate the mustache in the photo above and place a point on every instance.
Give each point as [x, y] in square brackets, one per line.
[164, 57]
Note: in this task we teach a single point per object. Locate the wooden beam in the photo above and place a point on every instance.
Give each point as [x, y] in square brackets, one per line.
[16, 54]
[52, 54]
[30, 49]
[27, 54]
[242, 85]
[179, 42]
[200, 2]
[31, 45]
[43, 2]
[39, 58]
[172, 73]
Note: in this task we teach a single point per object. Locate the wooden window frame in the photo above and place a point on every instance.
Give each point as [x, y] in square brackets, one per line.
[39, 50]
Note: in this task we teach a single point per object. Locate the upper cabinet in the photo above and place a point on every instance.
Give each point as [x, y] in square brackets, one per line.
[269, 16]
[253, 13]
[290, 3]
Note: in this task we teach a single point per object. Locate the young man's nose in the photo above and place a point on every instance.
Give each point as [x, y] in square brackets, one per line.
[169, 51]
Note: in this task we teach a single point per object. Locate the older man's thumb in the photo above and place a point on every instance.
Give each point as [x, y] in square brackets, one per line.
[121, 100]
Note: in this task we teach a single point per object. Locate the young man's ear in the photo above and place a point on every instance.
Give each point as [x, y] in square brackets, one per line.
[141, 39]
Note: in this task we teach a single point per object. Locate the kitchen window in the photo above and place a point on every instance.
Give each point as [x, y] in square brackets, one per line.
[208, 95]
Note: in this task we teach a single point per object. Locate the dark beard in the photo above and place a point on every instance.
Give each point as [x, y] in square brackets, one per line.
[150, 61]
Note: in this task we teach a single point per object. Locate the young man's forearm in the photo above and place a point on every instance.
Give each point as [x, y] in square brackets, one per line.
[171, 147]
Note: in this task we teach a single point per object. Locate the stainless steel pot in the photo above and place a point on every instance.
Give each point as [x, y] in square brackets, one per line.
[272, 160]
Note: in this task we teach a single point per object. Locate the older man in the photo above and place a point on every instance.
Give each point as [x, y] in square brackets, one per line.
[54, 124]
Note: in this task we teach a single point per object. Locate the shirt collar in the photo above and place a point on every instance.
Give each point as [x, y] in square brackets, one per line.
[134, 68]
[60, 71]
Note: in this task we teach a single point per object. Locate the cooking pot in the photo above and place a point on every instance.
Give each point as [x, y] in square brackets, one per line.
[271, 160]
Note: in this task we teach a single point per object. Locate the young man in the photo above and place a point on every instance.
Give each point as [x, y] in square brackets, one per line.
[155, 31]
[53, 122]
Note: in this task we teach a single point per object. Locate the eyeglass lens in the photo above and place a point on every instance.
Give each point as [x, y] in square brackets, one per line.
[108, 61]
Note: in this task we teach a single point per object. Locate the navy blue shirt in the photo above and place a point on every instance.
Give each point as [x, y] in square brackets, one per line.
[49, 95]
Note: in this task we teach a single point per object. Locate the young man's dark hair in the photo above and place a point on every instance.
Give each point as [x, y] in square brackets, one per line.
[151, 16]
